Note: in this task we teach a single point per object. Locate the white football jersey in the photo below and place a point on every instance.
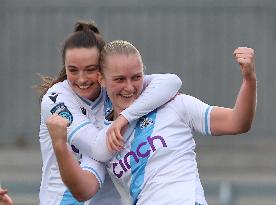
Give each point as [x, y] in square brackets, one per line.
[86, 119]
[81, 114]
[158, 163]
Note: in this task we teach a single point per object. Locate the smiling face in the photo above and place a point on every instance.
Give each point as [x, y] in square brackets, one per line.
[123, 79]
[82, 70]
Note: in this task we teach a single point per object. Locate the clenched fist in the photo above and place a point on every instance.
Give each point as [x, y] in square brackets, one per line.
[245, 57]
[57, 127]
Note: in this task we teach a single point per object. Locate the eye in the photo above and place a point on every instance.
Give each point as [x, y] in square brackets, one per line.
[137, 77]
[72, 70]
[119, 80]
[92, 69]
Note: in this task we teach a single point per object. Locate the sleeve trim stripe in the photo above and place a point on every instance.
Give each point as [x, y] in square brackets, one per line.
[207, 124]
[70, 137]
[93, 171]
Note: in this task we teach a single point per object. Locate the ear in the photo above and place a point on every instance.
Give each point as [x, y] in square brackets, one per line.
[101, 79]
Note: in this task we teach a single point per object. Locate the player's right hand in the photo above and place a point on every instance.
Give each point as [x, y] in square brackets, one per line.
[245, 57]
[57, 127]
[114, 140]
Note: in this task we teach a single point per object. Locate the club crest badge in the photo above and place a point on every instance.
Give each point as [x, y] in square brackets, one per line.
[63, 111]
[145, 122]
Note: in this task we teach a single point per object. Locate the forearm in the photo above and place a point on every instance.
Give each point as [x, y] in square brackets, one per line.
[82, 184]
[245, 106]
[160, 90]
[236, 120]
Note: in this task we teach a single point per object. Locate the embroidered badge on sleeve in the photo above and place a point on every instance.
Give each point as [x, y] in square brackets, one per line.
[63, 111]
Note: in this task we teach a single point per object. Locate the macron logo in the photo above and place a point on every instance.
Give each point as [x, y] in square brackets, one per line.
[123, 164]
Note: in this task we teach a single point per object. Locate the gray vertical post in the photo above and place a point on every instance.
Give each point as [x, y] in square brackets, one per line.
[226, 194]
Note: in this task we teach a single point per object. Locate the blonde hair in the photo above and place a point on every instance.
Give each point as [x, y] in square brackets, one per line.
[118, 47]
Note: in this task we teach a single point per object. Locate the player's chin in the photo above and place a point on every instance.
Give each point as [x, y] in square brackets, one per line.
[84, 93]
[88, 93]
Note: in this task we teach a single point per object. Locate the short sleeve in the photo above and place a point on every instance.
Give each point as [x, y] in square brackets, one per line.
[66, 105]
[195, 113]
[95, 167]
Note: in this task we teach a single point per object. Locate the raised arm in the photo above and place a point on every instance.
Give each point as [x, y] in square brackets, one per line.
[238, 119]
[82, 184]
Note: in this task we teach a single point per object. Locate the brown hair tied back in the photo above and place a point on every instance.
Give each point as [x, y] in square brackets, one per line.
[85, 35]
[85, 26]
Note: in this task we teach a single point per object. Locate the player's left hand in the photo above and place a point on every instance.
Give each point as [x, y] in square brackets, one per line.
[4, 197]
[245, 57]
[115, 141]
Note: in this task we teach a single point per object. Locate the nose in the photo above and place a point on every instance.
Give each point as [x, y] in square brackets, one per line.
[82, 77]
[129, 86]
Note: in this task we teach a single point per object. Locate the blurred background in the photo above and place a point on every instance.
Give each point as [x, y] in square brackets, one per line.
[192, 38]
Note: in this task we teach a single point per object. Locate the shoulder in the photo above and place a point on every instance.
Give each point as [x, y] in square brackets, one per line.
[59, 96]
[59, 92]
[181, 100]
[61, 87]
[186, 105]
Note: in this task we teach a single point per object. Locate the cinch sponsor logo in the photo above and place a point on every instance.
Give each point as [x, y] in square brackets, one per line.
[123, 164]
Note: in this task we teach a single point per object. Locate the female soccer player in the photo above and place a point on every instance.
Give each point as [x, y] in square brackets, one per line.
[77, 96]
[157, 164]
